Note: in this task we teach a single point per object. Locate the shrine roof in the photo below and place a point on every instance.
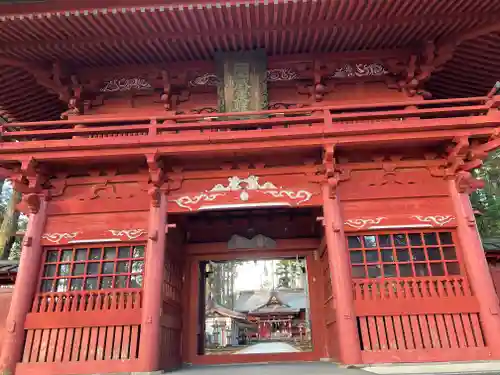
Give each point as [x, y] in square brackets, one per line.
[212, 306]
[8, 271]
[248, 301]
[132, 32]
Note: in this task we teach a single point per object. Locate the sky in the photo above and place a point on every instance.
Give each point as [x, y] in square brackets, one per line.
[251, 275]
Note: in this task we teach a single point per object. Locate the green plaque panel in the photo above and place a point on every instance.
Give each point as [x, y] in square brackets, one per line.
[243, 84]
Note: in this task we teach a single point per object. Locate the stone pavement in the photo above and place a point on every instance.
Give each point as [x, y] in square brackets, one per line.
[268, 347]
[303, 368]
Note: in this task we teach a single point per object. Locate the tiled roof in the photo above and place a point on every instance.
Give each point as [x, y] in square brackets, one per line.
[251, 300]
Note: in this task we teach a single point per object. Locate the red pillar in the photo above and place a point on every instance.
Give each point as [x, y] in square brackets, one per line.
[25, 288]
[340, 273]
[477, 268]
[149, 350]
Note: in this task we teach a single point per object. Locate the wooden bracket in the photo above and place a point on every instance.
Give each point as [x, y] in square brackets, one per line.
[155, 166]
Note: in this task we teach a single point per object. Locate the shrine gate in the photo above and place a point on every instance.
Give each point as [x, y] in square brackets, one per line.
[142, 138]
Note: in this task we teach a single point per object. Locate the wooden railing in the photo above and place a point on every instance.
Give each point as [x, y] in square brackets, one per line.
[321, 118]
[411, 288]
[81, 328]
[87, 301]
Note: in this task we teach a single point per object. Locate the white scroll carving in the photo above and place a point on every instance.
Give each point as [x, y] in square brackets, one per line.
[438, 220]
[364, 223]
[126, 84]
[131, 234]
[57, 237]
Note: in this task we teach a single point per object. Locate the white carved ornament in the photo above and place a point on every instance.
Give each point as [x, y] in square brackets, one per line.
[244, 186]
[131, 234]
[57, 237]
[438, 220]
[360, 70]
[364, 223]
[126, 84]
[281, 74]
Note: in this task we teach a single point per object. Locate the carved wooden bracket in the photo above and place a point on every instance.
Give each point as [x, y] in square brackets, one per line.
[155, 195]
[155, 166]
[332, 174]
[466, 183]
[317, 90]
[29, 181]
[409, 76]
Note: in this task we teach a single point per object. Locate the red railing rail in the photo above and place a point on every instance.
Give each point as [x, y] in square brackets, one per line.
[87, 301]
[410, 288]
[100, 126]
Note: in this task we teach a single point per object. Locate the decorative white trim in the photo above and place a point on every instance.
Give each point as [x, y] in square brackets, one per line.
[186, 201]
[303, 195]
[401, 226]
[97, 240]
[131, 234]
[207, 79]
[244, 205]
[360, 70]
[245, 186]
[57, 237]
[438, 220]
[126, 84]
[364, 223]
[281, 74]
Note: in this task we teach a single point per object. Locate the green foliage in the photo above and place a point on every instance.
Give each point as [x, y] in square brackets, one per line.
[22, 220]
[487, 200]
[288, 272]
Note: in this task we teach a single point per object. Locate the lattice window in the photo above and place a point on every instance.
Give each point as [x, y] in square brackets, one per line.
[91, 268]
[403, 254]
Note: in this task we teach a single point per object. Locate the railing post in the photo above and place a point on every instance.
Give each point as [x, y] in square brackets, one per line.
[26, 282]
[478, 272]
[327, 117]
[149, 350]
[340, 273]
[153, 130]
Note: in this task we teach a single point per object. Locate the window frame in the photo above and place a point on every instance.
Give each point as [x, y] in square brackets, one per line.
[457, 262]
[99, 275]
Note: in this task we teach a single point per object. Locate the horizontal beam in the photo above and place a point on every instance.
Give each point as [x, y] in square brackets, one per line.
[105, 318]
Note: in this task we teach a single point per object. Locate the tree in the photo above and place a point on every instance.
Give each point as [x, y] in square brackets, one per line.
[486, 201]
[288, 272]
[11, 221]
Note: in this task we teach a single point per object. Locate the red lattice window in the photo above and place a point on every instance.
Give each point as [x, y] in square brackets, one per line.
[403, 254]
[91, 268]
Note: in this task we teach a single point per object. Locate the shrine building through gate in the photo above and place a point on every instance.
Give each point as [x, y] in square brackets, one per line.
[149, 140]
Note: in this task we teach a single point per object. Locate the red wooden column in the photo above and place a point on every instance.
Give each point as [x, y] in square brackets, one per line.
[149, 350]
[340, 272]
[25, 288]
[477, 268]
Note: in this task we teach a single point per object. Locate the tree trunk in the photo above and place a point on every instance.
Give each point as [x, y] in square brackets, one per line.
[9, 225]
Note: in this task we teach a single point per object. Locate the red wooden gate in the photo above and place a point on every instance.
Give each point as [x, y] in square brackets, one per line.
[412, 298]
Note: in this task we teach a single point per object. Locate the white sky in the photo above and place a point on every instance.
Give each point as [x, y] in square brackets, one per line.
[251, 275]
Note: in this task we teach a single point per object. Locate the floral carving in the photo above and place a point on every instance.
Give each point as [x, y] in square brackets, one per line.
[131, 234]
[360, 70]
[364, 223]
[57, 237]
[207, 79]
[126, 84]
[282, 74]
[439, 220]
